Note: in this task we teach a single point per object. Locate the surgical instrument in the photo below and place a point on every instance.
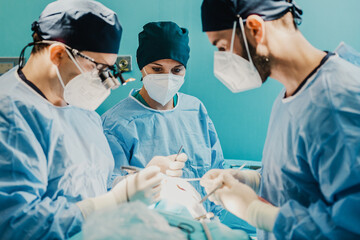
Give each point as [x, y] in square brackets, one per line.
[178, 152]
[218, 187]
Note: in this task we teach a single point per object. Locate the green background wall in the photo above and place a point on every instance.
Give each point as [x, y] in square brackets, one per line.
[241, 119]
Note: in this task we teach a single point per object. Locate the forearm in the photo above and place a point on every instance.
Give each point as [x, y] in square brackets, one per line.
[262, 215]
[318, 221]
[107, 200]
[45, 219]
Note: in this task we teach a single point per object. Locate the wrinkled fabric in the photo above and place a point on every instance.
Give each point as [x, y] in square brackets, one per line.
[219, 15]
[130, 221]
[267, 9]
[82, 24]
[348, 53]
[311, 158]
[137, 133]
[51, 157]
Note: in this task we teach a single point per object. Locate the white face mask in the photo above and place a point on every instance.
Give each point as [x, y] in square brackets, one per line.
[162, 87]
[235, 72]
[86, 90]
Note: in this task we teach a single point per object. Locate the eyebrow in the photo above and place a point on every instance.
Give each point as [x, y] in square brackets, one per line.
[180, 65]
[157, 64]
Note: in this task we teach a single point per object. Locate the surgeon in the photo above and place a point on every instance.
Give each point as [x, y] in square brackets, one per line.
[158, 120]
[55, 161]
[309, 184]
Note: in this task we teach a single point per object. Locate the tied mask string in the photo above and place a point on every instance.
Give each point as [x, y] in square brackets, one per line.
[233, 38]
[245, 40]
[296, 12]
[60, 78]
[22, 55]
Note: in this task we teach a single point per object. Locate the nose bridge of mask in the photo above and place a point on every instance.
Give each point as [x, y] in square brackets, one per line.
[165, 80]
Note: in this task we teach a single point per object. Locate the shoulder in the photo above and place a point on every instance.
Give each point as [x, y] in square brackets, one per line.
[123, 113]
[9, 82]
[338, 83]
[188, 102]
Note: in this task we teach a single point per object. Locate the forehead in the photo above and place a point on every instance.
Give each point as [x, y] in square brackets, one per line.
[166, 63]
[216, 36]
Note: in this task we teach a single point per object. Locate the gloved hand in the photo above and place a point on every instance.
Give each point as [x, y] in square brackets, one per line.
[144, 186]
[168, 165]
[242, 201]
[248, 177]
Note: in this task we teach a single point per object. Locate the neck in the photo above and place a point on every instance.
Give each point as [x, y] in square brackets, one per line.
[297, 58]
[154, 104]
[41, 73]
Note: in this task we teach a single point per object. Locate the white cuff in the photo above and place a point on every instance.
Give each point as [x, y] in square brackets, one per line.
[117, 180]
[262, 215]
[90, 205]
[121, 190]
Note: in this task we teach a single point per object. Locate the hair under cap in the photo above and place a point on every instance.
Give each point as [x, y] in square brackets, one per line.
[85, 25]
[162, 40]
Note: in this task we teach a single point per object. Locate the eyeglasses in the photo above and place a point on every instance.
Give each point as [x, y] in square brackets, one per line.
[109, 74]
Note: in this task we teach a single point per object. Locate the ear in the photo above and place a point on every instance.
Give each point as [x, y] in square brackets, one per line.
[256, 25]
[57, 53]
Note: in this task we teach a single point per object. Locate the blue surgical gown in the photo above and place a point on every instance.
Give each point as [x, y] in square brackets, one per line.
[51, 157]
[311, 157]
[137, 133]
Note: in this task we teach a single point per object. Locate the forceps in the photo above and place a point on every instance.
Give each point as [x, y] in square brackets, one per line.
[218, 187]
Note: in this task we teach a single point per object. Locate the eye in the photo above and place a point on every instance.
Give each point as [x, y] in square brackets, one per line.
[156, 69]
[176, 70]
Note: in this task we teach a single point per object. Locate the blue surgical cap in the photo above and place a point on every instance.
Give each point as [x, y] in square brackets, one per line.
[163, 40]
[84, 25]
[216, 14]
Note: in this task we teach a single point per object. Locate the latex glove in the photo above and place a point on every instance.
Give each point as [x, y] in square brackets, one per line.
[168, 165]
[144, 186]
[242, 201]
[248, 177]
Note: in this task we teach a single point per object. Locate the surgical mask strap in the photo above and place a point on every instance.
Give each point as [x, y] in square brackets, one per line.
[145, 71]
[245, 41]
[60, 78]
[74, 60]
[233, 38]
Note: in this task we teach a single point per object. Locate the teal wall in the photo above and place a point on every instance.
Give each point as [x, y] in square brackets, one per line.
[241, 119]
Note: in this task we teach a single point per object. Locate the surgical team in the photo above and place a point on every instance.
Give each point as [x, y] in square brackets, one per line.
[60, 161]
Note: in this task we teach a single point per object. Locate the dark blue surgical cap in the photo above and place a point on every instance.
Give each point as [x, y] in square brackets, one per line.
[84, 25]
[216, 14]
[163, 40]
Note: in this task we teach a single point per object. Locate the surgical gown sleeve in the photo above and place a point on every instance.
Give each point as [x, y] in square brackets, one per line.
[331, 151]
[217, 156]
[26, 212]
[120, 152]
[217, 160]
